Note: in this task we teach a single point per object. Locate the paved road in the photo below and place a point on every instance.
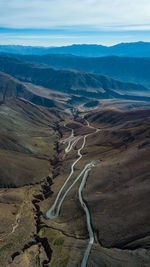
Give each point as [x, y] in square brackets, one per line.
[90, 230]
[71, 140]
[85, 171]
[49, 212]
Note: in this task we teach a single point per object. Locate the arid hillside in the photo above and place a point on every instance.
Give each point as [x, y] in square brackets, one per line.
[73, 82]
[122, 68]
[11, 87]
[118, 187]
[27, 141]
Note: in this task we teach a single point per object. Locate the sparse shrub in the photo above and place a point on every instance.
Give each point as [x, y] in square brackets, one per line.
[59, 242]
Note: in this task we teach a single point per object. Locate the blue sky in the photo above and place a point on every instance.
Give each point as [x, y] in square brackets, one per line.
[64, 22]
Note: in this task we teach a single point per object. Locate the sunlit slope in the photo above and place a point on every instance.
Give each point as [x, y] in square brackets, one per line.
[27, 139]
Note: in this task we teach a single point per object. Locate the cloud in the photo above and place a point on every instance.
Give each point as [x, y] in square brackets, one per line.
[67, 37]
[63, 22]
[76, 14]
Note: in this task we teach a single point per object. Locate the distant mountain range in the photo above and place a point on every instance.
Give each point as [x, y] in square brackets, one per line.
[137, 49]
[136, 70]
[72, 82]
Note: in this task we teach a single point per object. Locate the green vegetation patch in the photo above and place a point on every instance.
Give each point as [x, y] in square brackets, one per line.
[59, 242]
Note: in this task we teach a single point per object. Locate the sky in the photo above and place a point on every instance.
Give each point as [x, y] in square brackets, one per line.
[65, 22]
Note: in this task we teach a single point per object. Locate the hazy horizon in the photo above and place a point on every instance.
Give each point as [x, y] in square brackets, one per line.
[48, 46]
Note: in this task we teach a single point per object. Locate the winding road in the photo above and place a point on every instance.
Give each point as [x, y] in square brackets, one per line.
[71, 140]
[90, 230]
[51, 213]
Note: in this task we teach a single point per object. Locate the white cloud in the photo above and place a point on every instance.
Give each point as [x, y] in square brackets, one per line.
[93, 14]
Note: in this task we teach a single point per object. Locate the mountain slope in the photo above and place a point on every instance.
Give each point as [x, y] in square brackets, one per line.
[10, 87]
[135, 70]
[27, 139]
[72, 82]
[118, 188]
